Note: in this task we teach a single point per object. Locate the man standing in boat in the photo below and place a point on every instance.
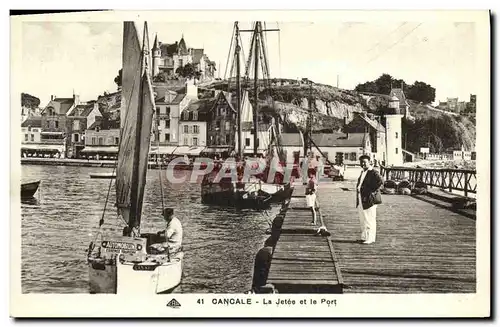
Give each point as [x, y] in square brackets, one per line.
[172, 232]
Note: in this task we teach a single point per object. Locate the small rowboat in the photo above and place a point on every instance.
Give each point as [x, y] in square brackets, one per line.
[103, 175]
[29, 189]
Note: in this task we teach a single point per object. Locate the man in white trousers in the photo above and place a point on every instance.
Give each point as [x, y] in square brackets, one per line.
[367, 198]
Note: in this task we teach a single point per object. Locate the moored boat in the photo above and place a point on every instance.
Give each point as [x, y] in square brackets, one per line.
[29, 189]
[125, 264]
[103, 175]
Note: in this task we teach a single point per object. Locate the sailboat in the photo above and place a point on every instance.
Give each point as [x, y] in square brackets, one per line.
[256, 192]
[122, 264]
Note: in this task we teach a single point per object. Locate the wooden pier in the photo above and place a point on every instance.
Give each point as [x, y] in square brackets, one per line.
[302, 260]
[421, 247]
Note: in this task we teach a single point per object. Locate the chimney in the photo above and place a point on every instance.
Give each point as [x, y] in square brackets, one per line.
[52, 97]
[76, 99]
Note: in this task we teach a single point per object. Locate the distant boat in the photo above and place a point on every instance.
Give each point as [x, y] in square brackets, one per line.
[29, 189]
[103, 175]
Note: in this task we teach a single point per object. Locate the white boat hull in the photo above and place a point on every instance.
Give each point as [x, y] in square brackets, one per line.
[135, 279]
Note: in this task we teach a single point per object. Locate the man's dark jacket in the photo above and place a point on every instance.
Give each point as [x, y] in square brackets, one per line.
[370, 189]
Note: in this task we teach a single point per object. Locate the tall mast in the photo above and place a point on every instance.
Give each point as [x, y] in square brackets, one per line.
[256, 52]
[238, 89]
[309, 122]
[255, 89]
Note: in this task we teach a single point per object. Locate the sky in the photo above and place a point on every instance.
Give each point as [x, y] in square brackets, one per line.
[59, 58]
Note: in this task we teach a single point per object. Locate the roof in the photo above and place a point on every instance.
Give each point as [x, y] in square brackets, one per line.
[61, 105]
[400, 95]
[178, 98]
[82, 110]
[339, 139]
[197, 55]
[373, 123]
[33, 121]
[182, 46]
[168, 49]
[105, 124]
[155, 44]
[290, 139]
[201, 105]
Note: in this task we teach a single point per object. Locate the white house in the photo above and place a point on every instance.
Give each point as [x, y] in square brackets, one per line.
[342, 147]
[193, 128]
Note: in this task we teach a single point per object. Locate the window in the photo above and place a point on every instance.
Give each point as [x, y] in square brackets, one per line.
[167, 111]
[396, 134]
[32, 137]
[167, 137]
[228, 138]
[167, 123]
[117, 140]
[76, 137]
[195, 141]
[247, 141]
[101, 141]
[94, 140]
[185, 140]
[396, 150]
[195, 115]
[196, 129]
[158, 111]
[97, 128]
[186, 129]
[56, 123]
[26, 137]
[353, 156]
[228, 125]
[346, 156]
[76, 125]
[186, 115]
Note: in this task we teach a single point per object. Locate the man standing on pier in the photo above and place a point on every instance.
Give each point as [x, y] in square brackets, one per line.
[367, 198]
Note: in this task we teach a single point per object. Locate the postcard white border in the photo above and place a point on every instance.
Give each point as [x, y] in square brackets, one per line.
[373, 305]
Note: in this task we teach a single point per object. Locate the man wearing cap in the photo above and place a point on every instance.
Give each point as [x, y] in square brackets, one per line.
[173, 234]
[367, 198]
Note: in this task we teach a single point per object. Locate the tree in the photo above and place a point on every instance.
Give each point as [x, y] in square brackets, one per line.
[421, 92]
[188, 71]
[160, 78]
[418, 91]
[29, 101]
[118, 79]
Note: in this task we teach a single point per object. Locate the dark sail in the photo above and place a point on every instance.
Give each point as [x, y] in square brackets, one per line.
[138, 106]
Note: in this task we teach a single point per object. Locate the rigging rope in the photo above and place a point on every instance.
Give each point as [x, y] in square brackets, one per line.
[159, 172]
[229, 54]
[279, 48]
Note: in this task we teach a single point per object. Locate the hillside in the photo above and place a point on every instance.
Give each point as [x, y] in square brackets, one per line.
[442, 130]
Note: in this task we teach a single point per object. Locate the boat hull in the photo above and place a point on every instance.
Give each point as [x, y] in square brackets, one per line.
[229, 196]
[29, 189]
[136, 278]
[103, 175]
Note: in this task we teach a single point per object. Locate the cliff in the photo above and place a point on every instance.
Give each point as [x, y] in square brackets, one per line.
[289, 99]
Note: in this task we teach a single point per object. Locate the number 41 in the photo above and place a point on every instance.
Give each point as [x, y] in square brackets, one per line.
[200, 301]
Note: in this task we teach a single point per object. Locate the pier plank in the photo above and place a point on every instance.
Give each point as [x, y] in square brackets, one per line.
[420, 247]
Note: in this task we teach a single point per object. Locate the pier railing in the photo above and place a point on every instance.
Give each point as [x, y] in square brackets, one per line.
[447, 179]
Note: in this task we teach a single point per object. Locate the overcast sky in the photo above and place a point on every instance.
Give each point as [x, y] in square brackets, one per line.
[60, 57]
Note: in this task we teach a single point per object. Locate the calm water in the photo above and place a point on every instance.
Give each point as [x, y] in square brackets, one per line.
[220, 244]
